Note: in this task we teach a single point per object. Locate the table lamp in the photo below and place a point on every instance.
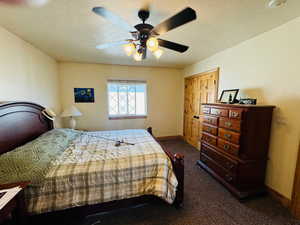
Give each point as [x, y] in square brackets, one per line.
[71, 112]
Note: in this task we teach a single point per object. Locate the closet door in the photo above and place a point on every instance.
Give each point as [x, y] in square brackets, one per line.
[188, 110]
[201, 88]
[192, 110]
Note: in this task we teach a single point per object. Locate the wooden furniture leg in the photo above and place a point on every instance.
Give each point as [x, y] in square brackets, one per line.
[177, 160]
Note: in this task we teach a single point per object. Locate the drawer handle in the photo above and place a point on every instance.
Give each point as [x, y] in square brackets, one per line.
[208, 140]
[235, 114]
[228, 124]
[226, 147]
[227, 136]
[229, 165]
[206, 110]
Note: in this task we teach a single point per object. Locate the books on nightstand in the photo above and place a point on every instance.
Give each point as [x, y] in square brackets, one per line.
[8, 194]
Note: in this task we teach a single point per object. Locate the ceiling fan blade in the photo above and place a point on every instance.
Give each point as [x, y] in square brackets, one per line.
[114, 19]
[112, 44]
[172, 45]
[181, 18]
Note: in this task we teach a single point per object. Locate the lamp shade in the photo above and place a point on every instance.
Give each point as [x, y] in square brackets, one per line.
[71, 111]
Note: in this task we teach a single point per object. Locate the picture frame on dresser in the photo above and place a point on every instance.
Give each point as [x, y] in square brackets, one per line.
[229, 96]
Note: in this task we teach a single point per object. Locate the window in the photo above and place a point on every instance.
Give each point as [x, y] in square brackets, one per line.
[127, 99]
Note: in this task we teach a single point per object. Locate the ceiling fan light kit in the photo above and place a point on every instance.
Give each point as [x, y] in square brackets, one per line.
[144, 35]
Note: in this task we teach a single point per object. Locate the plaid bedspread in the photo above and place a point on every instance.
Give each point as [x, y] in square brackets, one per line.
[93, 170]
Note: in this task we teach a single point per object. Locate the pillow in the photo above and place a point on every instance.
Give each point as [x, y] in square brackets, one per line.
[32, 161]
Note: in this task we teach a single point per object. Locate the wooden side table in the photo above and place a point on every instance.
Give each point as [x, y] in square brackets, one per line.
[15, 208]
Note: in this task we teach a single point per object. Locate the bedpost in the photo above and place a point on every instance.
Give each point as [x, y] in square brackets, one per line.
[178, 166]
[149, 129]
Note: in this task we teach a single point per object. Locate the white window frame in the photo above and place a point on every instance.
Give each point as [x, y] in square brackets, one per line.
[128, 116]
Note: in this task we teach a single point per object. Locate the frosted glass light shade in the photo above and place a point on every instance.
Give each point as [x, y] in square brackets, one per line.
[71, 111]
[129, 48]
[158, 53]
[152, 44]
[137, 56]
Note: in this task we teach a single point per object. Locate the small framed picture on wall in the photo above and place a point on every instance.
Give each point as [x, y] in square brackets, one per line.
[84, 95]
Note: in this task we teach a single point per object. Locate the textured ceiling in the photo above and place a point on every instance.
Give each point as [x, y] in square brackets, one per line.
[69, 31]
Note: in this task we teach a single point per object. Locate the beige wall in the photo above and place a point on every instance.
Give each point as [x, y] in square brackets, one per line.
[164, 96]
[267, 68]
[26, 73]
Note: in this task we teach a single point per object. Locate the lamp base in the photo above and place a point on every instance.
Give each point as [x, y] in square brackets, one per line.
[72, 123]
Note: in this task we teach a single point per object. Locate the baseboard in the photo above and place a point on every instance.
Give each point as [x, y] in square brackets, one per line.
[167, 138]
[279, 197]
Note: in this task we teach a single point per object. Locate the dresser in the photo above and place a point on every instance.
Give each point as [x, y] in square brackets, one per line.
[234, 146]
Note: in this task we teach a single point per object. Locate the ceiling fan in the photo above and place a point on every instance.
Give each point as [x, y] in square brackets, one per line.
[144, 35]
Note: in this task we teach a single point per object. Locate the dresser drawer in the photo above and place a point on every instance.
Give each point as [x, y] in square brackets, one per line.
[209, 139]
[228, 147]
[235, 113]
[211, 120]
[230, 124]
[210, 129]
[230, 165]
[227, 176]
[229, 135]
[205, 110]
[219, 112]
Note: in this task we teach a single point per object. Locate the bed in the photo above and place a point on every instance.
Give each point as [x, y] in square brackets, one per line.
[89, 173]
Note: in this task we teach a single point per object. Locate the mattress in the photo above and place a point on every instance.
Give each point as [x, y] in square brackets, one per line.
[93, 170]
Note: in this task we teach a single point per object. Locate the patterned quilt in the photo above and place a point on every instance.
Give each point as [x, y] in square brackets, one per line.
[93, 170]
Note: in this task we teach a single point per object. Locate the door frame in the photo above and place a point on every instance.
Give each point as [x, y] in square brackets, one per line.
[217, 69]
[295, 203]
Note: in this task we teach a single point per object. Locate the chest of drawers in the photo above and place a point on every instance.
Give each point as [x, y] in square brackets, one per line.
[234, 145]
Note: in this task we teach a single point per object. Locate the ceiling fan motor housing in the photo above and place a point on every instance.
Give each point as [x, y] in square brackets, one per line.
[144, 32]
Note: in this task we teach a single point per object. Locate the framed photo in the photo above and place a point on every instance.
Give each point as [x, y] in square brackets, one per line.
[229, 96]
[84, 95]
[248, 101]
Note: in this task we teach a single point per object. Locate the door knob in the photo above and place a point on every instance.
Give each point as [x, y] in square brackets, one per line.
[196, 117]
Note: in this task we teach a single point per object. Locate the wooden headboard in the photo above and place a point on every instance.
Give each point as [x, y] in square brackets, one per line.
[21, 122]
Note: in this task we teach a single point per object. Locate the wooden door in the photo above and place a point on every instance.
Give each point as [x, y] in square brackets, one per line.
[201, 88]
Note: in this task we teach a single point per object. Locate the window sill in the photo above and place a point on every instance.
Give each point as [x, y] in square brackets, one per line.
[126, 117]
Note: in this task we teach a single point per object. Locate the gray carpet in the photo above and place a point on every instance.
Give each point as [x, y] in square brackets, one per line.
[206, 203]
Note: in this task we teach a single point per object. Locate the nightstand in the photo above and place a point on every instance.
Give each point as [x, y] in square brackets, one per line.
[15, 208]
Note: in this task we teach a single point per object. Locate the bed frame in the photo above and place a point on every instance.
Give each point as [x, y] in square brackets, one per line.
[21, 122]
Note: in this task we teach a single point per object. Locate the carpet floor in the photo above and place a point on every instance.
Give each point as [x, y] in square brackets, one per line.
[206, 203]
